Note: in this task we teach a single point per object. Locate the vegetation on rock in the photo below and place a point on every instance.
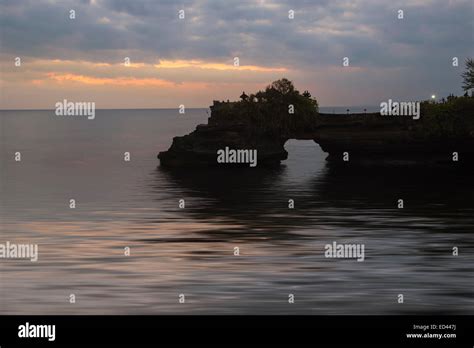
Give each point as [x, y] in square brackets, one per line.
[468, 76]
[450, 118]
[280, 110]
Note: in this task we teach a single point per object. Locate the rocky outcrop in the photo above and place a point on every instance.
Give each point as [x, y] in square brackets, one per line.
[199, 148]
[264, 123]
[385, 140]
[365, 137]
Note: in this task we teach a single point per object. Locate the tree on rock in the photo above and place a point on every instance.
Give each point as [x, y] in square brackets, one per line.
[283, 86]
[468, 76]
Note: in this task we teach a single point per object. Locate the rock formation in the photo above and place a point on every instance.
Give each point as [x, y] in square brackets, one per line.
[199, 148]
[263, 122]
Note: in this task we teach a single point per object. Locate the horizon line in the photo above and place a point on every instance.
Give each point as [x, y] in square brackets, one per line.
[176, 108]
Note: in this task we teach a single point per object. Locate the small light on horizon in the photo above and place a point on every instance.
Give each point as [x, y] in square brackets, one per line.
[433, 96]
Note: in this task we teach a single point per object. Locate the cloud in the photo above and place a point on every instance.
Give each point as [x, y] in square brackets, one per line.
[201, 47]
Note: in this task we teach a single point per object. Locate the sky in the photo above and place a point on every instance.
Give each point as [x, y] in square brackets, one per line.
[190, 60]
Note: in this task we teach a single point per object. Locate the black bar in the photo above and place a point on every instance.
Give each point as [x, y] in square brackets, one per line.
[242, 331]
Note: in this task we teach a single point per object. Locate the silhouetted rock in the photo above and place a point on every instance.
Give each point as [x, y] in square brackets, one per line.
[199, 148]
[266, 120]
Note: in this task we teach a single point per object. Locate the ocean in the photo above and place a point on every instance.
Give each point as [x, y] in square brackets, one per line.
[134, 206]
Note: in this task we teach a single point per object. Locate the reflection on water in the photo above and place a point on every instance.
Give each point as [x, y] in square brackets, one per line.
[407, 251]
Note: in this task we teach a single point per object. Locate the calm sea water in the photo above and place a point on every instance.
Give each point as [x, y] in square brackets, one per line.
[190, 251]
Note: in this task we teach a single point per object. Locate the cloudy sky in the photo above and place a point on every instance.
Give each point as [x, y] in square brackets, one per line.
[190, 61]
